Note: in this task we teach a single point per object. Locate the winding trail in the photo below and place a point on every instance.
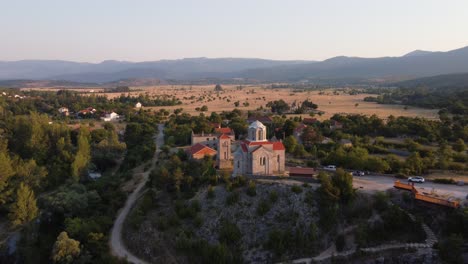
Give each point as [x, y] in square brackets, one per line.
[116, 243]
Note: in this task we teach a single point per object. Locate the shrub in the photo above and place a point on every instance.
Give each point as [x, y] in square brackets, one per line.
[312, 163]
[173, 220]
[273, 196]
[451, 249]
[309, 198]
[456, 166]
[195, 205]
[263, 207]
[136, 218]
[406, 197]
[401, 175]
[444, 180]
[296, 189]
[210, 193]
[229, 233]
[183, 210]
[162, 223]
[198, 222]
[251, 189]
[232, 198]
[279, 241]
[239, 181]
[381, 201]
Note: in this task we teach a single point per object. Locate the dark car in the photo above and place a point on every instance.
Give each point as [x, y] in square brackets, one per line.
[358, 173]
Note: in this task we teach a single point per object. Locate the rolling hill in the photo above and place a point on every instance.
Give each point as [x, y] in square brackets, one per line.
[452, 81]
[337, 70]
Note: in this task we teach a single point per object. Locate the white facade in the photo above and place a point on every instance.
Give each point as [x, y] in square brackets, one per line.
[110, 117]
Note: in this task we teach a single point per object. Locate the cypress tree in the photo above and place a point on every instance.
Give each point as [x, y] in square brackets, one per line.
[24, 209]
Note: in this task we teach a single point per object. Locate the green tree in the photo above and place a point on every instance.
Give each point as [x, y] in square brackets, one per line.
[82, 157]
[289, 126]
[343, 181]
[329, 195]
[415, 163]
[290, 144]
[65, 249]
[178, 177]
[218, 88]
[30, 173]
[278, 106]
[24, 209]
[459, 145]
[6, 172]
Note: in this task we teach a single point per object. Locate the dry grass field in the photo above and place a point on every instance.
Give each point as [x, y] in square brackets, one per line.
[257, 96]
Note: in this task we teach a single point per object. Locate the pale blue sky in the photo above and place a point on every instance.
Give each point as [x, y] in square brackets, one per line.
[142, 30]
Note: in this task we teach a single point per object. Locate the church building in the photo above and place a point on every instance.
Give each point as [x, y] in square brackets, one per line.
[258, 156]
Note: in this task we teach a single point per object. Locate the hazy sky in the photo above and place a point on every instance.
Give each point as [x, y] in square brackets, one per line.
[142, 30]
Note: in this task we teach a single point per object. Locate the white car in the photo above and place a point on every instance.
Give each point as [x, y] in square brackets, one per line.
[330, 168]
[416, 179]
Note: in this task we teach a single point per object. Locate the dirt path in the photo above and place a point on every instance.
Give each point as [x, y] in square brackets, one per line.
[116, 243]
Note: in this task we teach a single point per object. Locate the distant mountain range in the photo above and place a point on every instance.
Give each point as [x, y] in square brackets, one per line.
[109, 71]
[337, 70]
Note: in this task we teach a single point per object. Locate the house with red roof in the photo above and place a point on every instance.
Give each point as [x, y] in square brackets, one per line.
[199, 151]
[210, 139]
[258, 156]
[297, 133]
[309, 121]
[335, 125]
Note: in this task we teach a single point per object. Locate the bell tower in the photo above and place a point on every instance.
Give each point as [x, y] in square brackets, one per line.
[224, 157]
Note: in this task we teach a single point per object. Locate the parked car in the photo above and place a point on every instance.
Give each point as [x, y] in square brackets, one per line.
[416, 179]
[358, 173]
[330, 167]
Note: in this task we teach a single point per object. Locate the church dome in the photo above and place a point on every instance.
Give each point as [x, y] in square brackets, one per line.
[256, 124]
[257, 131]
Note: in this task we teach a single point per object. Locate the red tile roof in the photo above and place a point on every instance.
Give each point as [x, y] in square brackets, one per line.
[309, 121]
[224, 136]
[223, 130]
[216, 125]
[278, 146]
[300, 127]
[201, 149]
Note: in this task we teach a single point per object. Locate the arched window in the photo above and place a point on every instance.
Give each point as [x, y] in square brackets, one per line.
[260, 134]
[278, 158]
[252, 133]
[238, 164]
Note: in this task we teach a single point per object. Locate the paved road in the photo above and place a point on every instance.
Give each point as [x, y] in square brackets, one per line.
[381, 183]
[116, 243]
